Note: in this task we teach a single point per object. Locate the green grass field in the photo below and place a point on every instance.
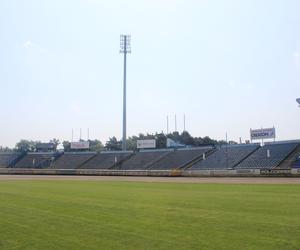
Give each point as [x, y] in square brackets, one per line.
[127, 215]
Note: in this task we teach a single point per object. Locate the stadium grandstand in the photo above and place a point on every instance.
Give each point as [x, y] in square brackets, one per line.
[268, 156]
[239, 157]
[296, 164]
[144, 159]
[8, 159]
[72, 160]
[180, 158]
[107, 160]
[226, 157]
[36, 160]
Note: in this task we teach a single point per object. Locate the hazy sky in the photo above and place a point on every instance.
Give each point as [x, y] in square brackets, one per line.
[228, 65]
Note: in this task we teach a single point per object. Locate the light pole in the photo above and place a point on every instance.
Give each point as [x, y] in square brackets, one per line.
[124, 49]
[226, 151]
[167, 125]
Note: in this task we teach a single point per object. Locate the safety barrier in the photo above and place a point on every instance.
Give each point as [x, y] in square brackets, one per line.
[162, 173]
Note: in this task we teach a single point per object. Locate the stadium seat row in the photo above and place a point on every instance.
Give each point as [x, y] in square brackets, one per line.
[241, 156]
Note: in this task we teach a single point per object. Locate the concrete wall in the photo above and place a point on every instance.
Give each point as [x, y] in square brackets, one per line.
[162, 173]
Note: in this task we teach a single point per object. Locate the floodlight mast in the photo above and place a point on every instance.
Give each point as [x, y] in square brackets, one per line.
[124, 49]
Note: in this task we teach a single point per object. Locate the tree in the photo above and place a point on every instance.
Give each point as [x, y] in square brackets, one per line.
[198, 141]
[5, 149]
[96, 145]
[161, 140]
[222, 142]
[67, 146]
[113, 144]
[186, 138]
[131, 143]
[207, 140]
[174, 136]
[55, 142]
[26, 145]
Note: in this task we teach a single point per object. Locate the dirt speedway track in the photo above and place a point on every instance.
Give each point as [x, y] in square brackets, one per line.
[224, 180]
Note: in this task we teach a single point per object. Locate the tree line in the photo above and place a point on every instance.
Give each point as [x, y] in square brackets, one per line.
[114, 144]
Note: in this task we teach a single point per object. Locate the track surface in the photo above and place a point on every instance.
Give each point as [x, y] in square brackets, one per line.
[236, 180]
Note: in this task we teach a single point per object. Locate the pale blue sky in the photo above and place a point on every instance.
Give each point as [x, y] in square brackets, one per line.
[228, 65]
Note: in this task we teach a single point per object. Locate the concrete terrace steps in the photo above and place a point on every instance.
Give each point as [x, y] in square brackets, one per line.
[71, 160]
[9, 159]
[260, 160]
[225, 157]
[148, 166]
[290, 159]
[198, 159]
[246, 157]
[179, 158]
[144, 159]
[237, 157]
[35, 160]
[107, 160]
[119, 164]
[85, 161]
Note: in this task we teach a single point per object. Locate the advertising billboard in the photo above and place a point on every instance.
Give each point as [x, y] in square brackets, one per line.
[263, 133]
[80, 145]
[141, 144]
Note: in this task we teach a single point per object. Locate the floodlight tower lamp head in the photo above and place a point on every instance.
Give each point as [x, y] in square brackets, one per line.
[125, 43]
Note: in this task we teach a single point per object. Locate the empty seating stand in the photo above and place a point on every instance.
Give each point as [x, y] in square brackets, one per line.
[35, 160]
[7, 159]
[107, 160]
[179, 158]
[297, 163]
[225, 157]
[144, 159]
[72, 160]
[280, 155]
[261, 159]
